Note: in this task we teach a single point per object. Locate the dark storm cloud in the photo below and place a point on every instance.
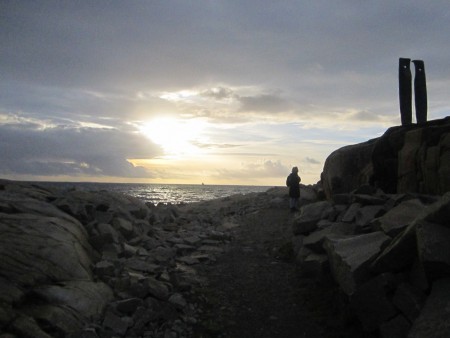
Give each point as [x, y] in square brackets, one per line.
[26, 149]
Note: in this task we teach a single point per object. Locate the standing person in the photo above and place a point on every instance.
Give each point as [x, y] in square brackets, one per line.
[293, 182]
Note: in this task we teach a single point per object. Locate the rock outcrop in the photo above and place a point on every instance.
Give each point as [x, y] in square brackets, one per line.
[413, 158]
[392, 265]
[81, 263]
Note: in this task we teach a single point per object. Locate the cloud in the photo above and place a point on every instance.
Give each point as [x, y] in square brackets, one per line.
[27, 149]
[269, 103]
[311, 160]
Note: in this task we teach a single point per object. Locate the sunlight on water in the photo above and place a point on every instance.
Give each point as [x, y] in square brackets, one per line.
[167, 193]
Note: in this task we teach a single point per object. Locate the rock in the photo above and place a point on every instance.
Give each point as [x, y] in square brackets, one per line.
[315, 266]
[115, 323]
[156, 288]
[409, 300]
[398, 218]
[310, 214]
[347, 168]
[36, 249]
[371, 303]
[315, 240]
[350, 258]
[433, 319]
[350, 214]
[365, 215]
[128, 306]
[395, 328]
[433, 251]
[399, 254]
[124, 226]
[178, 300]
[414, 158]
[26, 326]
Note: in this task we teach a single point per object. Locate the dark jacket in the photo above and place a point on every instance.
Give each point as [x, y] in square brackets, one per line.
[293, 182]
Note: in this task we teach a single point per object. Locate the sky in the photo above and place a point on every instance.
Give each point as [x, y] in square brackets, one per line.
[206, 91]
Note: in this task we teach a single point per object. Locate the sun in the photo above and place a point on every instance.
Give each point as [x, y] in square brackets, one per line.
[175, 136]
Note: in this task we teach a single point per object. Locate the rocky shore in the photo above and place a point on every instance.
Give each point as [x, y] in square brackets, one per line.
[100, 264]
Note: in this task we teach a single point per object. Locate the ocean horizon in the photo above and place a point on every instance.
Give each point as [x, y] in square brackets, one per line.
[164, 193]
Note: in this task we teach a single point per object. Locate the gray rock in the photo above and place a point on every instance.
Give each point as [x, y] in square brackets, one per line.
[310, 214]
[26, 326]
[365, 215]
[178, 300]
[399, 254]
[156, 288]
[397, 327]
[129, 305]
[315, 266]
[314, 241]
[409, 300]
[117, 324]
[398, 218]
[350, 258]
[37, 248]
[350, 214]
[433, 250]
[87, 298]
[124, 226]
[371, 303]
[433, 319]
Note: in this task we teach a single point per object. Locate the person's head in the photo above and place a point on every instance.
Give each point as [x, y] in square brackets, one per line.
[295, 170]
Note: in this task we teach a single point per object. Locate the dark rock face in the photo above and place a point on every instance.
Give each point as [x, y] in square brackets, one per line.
[389, 255]
[412, 158]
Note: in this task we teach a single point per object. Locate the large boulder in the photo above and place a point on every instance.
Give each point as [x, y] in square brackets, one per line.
[433, 319]
[310, 214]
[414, 158]
[347, 168]
[350, 258]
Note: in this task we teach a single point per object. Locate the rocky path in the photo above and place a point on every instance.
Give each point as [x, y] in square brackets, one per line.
[255, 290]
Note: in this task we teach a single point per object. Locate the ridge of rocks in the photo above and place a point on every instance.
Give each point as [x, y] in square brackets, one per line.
[79, 263]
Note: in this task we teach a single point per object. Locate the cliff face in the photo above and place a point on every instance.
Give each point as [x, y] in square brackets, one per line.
[413, 158]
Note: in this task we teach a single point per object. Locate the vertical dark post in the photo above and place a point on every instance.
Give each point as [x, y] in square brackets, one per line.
[420, 92]
[405, 90]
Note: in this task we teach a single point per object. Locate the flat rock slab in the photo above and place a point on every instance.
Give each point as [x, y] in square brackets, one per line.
[398, 218]
[433, 320]
[350, 257]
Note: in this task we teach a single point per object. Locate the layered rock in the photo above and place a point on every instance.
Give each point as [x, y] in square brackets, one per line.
[413, 158]
[393, 266]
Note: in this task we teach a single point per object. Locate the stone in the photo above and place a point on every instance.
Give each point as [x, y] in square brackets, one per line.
[314, 241]
[115, 323]
[399, 254]
[395, 328]
[433, 250]
[124, 226]
[129, 305]
[178, 300]
[310, 214]
[347, 168]
[409, 300]
[433, 319]
[350, 214]
[26, 326]
[104, 268]
[399, 217]
[36, 249]
[156, 288]
[365, 215]
[350, 258]
[371, 303]
[315, 266]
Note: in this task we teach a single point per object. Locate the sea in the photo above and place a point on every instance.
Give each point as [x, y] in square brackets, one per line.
[165, 193]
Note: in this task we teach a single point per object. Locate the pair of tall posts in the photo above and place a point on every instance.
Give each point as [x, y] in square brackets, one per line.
[405, 91]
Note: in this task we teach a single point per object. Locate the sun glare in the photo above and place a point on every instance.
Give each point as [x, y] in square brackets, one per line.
[175, 136]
